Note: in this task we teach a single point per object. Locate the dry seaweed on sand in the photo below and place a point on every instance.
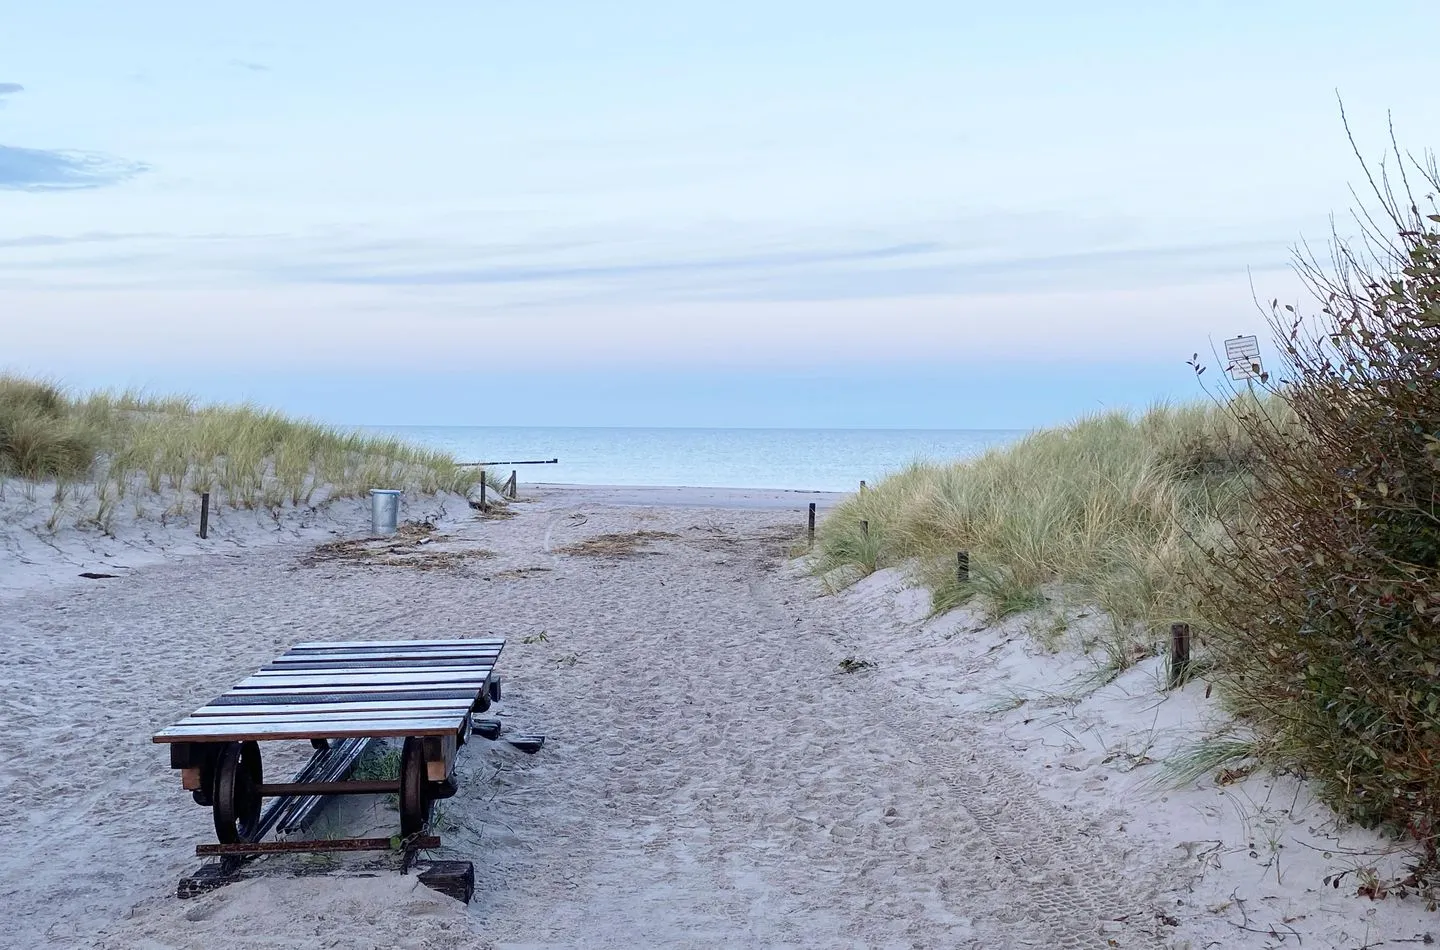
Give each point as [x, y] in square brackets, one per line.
[409, 547]
[432, 560]
[620, 544]
[519, 572]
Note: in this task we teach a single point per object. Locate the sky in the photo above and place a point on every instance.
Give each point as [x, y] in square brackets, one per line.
[928, 214]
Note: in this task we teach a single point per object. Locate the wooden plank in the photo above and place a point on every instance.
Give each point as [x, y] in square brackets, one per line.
[395, 648]
[422, 842]
[283, 681]
[346, 695]
[262, 709]
[440, 659]
[394, 644]
[397, 675]
[393, 715]
[472, 683]
[353, 666]
[220, 732]
[436, 652]
[403, 644]
[316, 669]
[288, 689]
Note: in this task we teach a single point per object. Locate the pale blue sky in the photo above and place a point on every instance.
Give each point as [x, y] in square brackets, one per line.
[628, 212]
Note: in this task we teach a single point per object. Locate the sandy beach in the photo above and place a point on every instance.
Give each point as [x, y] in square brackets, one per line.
[734, 757]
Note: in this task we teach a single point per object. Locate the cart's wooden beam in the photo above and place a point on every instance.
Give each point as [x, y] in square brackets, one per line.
[221, 731]
[418, 843]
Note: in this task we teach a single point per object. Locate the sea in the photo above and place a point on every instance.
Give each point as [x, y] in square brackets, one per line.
[800, 459]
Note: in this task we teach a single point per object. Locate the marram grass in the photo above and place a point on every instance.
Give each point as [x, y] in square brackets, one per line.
[112, 446]
[1108, 507]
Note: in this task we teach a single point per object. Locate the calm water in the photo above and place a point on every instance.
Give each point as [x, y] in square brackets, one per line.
[815, 459]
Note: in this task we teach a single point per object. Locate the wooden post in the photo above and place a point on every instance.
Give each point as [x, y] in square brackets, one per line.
[204, 514]
[513, 483]
[482, 490]
[812, 523]
[865, 529]
[962, 566]
[1179, 651]
[862, 484]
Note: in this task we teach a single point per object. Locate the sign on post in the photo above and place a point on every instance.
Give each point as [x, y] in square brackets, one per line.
[1242, 357]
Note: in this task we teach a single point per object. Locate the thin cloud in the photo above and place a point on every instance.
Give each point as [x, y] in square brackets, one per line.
[108, 262]
[34, 169]
[248, 65]
[1136, 266]
[890, 271]
[9, 89]
[90, 237]
[525, 275]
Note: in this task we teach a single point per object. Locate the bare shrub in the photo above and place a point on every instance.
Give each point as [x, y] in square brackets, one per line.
[1324, 596]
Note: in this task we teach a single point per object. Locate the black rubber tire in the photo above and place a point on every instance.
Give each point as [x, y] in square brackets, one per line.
[238, 777]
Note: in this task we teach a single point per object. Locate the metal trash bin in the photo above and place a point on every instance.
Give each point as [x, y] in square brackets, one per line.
[384, 510]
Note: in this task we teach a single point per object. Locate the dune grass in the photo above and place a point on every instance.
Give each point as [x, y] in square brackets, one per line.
[1108, 508]
[103, 449]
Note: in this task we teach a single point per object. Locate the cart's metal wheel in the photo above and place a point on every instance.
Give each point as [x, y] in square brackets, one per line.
[415, 799]
[238, 777]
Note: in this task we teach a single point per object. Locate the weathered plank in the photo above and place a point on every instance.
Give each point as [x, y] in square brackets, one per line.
[222, 730]
[316, 669]
[381, 648]
[282, 681]
[449, 658]
[270, 687]
[260, 709]
[471, 665]
[383, 666]
[312, 718]
[423, 842]
[394, 644]
[348, 694]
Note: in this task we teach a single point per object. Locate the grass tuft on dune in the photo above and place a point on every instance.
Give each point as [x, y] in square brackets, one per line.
[1107, 507]
[1108, 510]
[96, 450]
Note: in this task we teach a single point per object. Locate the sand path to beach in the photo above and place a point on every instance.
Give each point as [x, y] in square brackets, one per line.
[712, 776]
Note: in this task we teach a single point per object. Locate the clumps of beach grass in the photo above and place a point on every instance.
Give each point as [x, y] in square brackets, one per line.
[93, 454]
[39, 436]
[1106, 507]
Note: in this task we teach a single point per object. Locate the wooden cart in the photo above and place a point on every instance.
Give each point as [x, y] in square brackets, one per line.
[338, 696]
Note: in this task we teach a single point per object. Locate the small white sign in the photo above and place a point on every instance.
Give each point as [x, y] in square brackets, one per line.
[1242, 347]
[1242, 353]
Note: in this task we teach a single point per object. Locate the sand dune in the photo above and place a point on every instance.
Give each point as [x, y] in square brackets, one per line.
[713, 777]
